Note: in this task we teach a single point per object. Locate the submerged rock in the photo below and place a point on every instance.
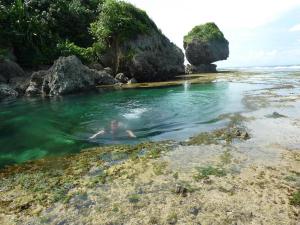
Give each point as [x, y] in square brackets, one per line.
[67, 75]
[204, 45]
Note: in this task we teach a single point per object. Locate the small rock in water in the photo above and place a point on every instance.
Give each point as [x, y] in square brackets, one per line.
[277, 115]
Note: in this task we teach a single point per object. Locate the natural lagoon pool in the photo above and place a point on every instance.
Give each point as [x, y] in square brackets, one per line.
[32, 128]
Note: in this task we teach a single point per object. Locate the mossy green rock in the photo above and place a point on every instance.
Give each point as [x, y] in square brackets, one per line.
[205, 44]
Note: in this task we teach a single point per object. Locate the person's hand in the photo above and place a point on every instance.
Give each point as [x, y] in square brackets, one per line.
[95, 135]
[131, 134]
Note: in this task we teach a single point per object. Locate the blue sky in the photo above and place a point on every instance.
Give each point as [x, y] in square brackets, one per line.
[260, 32]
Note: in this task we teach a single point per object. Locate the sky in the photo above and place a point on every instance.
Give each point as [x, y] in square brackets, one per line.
[260, 32]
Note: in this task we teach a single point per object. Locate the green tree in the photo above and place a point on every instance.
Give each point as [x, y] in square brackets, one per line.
[35, 30]
[119, 21]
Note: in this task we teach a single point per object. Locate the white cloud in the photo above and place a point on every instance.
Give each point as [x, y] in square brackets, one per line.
[238, 19]
[295, 28]
[177, 17]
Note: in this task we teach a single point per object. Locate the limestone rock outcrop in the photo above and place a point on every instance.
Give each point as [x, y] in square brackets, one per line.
[204, 45]
[67, 75]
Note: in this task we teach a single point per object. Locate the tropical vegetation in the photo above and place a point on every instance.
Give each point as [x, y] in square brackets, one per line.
[37, 32]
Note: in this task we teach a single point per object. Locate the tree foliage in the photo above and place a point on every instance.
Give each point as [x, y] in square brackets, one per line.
[39, 31]
[119, 21]
[205, 32]
[34, 29]
[122, 21]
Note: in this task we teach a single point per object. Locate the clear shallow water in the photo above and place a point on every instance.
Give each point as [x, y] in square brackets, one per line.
[32, 128]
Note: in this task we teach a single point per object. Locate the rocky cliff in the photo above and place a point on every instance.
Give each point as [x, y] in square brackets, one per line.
[150, 57]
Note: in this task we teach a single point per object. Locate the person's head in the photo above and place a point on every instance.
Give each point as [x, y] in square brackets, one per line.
[114, 125]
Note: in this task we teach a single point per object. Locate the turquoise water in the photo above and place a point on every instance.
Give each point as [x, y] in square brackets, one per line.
[32, 128]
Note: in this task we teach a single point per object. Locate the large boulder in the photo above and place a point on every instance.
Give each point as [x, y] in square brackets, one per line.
[149, 57]
[153, 58]
[9, 70]
[7, 91]
[205, 44]
[67, 75]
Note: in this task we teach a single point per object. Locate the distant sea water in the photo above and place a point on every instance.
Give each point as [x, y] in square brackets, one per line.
[263, 68]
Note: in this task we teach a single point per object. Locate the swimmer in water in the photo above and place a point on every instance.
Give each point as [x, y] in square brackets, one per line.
[114, 129]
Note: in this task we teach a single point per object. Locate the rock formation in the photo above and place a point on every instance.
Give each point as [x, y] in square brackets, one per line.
[137, 48]
[13, 79]
[7, 91]
[67, 75]
[204, 45]
[149, 57]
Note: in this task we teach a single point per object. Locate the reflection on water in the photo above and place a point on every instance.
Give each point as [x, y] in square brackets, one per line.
[32, 128]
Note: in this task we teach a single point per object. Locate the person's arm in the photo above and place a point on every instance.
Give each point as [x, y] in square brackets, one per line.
[130, 134]
[98, 133]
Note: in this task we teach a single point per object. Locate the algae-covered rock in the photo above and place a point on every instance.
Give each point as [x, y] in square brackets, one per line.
[205, 44]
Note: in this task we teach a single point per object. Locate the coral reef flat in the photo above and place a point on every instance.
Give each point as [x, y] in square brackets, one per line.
[247, 172]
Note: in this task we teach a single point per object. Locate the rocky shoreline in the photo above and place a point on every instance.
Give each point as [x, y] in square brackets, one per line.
[240, 174]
